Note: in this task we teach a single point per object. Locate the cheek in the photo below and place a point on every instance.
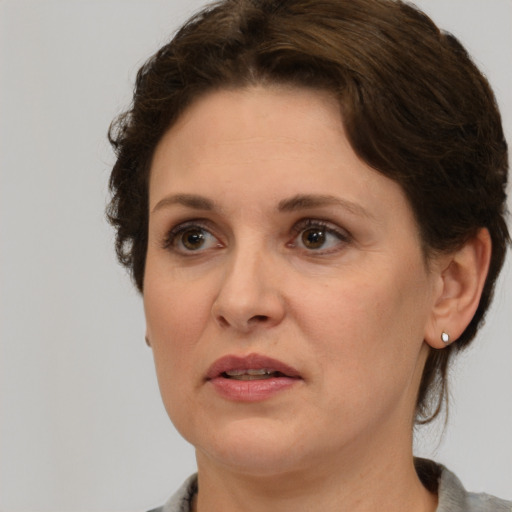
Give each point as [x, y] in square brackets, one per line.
[367, 324]
[176, 311]
[366, 343]
[175, 317]
[174, 302]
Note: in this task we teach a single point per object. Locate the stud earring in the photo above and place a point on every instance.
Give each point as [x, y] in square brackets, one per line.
[445, 337]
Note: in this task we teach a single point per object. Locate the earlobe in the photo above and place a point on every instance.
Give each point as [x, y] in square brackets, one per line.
[148, 343]
[461, 280]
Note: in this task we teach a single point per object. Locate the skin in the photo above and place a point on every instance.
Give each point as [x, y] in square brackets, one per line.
[351, 316]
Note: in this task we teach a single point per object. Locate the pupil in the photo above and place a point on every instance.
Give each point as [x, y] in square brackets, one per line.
[313, 238]
[193, 239]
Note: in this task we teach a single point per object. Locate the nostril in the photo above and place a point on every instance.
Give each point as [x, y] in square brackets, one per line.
[258, 318]
[222, 321]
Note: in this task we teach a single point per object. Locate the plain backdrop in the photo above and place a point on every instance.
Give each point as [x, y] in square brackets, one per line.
[81, 422]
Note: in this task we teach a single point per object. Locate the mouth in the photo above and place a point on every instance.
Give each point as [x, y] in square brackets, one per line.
[251, 367]
[252, 374]
[252, 378]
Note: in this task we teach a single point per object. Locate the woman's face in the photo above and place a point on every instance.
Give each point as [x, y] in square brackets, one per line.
[285, 290]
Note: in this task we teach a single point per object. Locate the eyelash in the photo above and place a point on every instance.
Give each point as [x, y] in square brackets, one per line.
[326, 227]
[173, 236]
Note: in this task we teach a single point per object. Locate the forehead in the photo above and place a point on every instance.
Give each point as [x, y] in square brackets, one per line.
[221, 120]
[260, 145]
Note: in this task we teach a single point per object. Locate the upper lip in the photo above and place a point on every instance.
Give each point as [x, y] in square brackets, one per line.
[251, 361]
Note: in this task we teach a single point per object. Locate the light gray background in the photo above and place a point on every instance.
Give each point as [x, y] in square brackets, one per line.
[82, 427]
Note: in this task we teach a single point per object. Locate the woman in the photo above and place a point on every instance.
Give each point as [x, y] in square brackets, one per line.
[310, 196]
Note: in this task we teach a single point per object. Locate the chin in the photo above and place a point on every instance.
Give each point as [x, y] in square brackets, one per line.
[257, 447]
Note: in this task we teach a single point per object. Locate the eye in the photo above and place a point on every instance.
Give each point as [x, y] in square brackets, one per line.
[314, 238]
[187, 238]
[316, 235]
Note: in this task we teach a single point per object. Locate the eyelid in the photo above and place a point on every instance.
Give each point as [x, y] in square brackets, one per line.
[343, 235]
[170, 237]
[330, 227]
[172, 234]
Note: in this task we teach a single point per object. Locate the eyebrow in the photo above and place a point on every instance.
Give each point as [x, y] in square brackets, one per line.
[295, 203]
[309, 201]
[193, 201]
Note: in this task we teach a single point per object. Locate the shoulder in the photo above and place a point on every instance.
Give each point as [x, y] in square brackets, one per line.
[181, 500]
[453, 497]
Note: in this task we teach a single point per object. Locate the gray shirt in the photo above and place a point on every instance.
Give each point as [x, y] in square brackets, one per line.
[452, 495]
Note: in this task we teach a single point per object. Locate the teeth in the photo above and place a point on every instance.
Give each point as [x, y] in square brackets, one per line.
[262, 371]
[252, 377]
[251, 374]
[251, 371]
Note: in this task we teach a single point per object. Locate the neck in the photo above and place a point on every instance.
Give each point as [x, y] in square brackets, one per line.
[387, 480]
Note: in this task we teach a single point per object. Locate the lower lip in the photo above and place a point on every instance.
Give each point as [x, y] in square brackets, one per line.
[251, 390]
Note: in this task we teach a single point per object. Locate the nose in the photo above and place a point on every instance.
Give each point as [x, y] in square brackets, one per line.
[250, 293]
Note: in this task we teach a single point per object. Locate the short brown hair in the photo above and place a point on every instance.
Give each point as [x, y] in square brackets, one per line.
[413, 104]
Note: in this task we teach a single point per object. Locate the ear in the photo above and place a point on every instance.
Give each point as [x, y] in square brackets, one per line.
[148, 343]
[460, 279]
